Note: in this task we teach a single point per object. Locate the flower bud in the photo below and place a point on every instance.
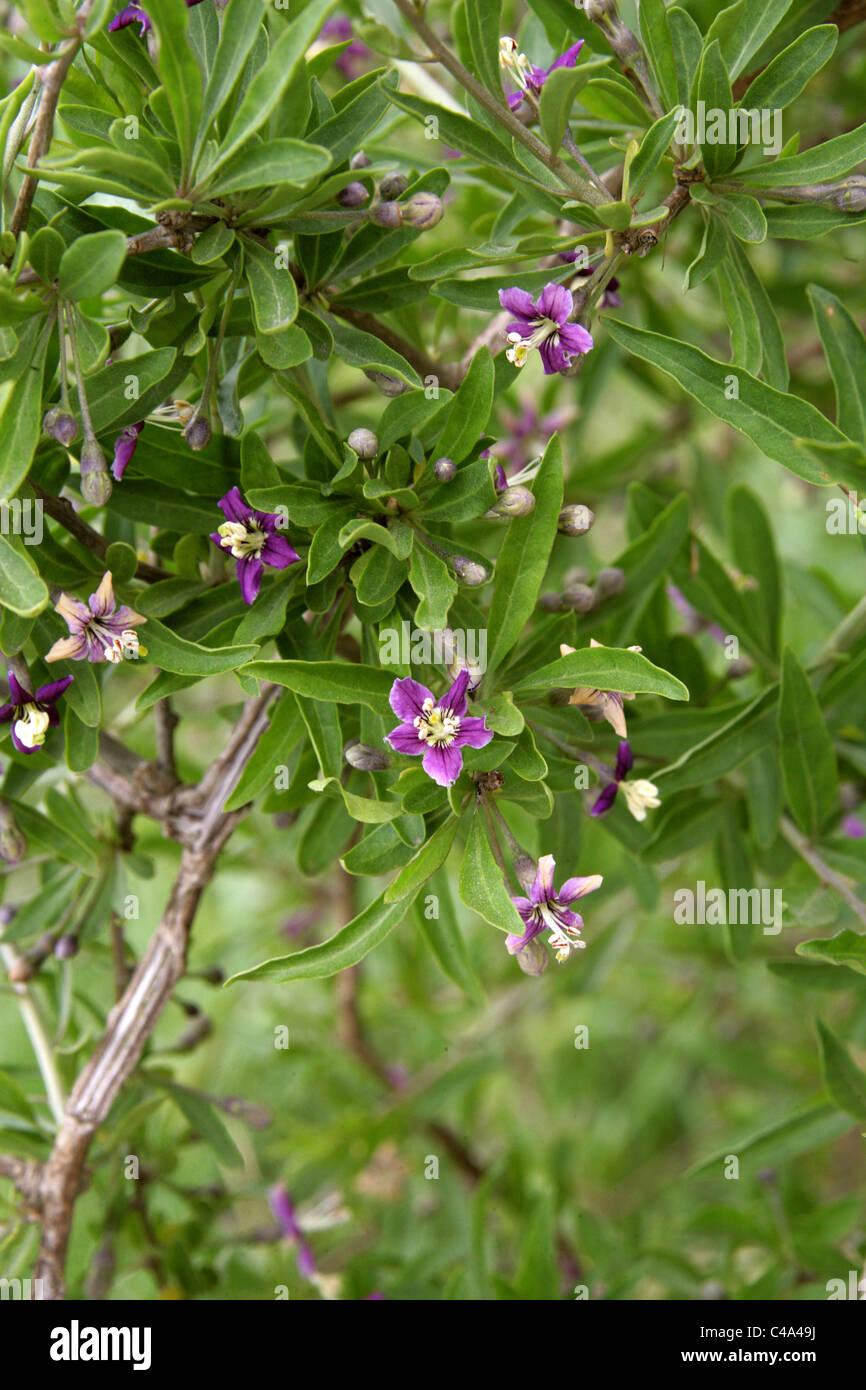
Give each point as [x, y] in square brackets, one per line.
[575, 521]
[609, 582]
[365, 758]
[364, 442]
[472, 574]
[444, 470]
[580, 598]
[354, 195]
[197, 433]
[597, 11]
[577, 574]
[552, 603]
[66, 947]
[387, 215]
[393, 185]
[360, 161]
[60, 425]
[513, 502]
[95, 483]
[852, 195]
[533, 958]
[388, 385]
[422, 211]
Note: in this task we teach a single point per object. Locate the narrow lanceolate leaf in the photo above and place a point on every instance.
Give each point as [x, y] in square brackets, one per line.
[845, 347]
[20, 421]
[273, 291]
[481, 884]
[180, 73]
[713, 88]
[653, 148]
[346, 949]
[241, 23]
[784, 78]
[280, 161]
[420, 867]
[808, 756]
[754, 551]
[846, 948]
[781, 425]
[750, 29]
[844, 1080]
[657, 40]
[817, 165]
[172, 653]
[604, 668]
[467, 414]
[21, 588]
[523, 559]
[340, 681]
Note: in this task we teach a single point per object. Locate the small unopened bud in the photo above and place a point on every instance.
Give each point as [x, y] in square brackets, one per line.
[577, 574]
[525, 869]
[580, 598]
[354, 195]
[212, 975]
[552, 603]
[66, 947]
[513, 502]
[533, 958]
[422, 211]
[610, 581]
[60, 425]
[393, 185]
[387, 215]
[575, 521]
[95, 482]
[597, 11]
[364, 442]
[360, 161]
[739, 668]
[388, 385]
[471, 573]
[852, 195]
[197, 433]
[444, 470]
[365, 758]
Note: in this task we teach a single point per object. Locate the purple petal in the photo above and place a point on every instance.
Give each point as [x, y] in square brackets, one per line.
[513, 943]
[404, 739]
[473, 734]
[555, 303]
[524, 907]
[130, 15]
[571, 921]
[278, 553]
[553, 356]
[500, 478]
[102, 602]
[578, 888]
[624, 760]
[514, 100]
[568, 58]
[17, 693]
[407, 697]
[455, 699]
[47, 694]
[19, 746]
[519, 302]
[542, 889]
[444, 765]
[124, 447]
[233, 506]
[6, 713]
[249, 571]
[603, 803]
[575, 338]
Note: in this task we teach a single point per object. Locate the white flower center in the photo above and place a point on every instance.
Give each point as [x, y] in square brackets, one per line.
[126, 646]
[437, 725]
[32, 727]
[241, 538]
[521, 347]
[640, 796]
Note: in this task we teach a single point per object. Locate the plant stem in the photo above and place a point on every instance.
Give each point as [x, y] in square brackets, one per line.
[38, 1039]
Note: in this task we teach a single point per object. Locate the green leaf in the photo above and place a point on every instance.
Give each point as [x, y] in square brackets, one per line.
[242, 22]
[365, 351]
[779, 1143]
[779, 424]
[345, 949]
[280, 161]
[754, 552]
[845, 349]
[429, 857]
[847, 948]
[434, 585]
[170, 652]
[604, 668]
[483, 25]
[179, 71]
[200, 1114]
[750, 729]
[687, 43]
[340, 681]
[481, 884]
[653, 148]
[21, 588]
[819, 164]
[468, 412]
[442, 931]
[273, 291]
[786, 75]
[713, 87]
[21, 421]
[845, 1082]
[657, 40]
[808, 756]
[742, 39]
[361, 808]
[523, 559]
[556, 101]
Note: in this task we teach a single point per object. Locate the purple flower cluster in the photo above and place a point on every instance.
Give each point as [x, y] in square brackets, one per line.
[529, 77]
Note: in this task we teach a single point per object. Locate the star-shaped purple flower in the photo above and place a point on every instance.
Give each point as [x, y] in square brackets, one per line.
[548, 910]
[439, 731]
[99, 629]
[31, 715]
[535, 77]
[254, 541]
[543, 324]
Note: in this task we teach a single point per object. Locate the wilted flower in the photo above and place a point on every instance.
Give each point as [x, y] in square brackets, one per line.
[543, 324]
[254, 541]
[603, 704]
[548, 910]
[124, 447]
[438, 731]
[32, 715]
[99, 629]
[527, 76]
[640, 795]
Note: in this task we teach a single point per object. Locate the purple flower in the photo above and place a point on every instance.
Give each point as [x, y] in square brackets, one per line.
[624, 764]
[545, 909]
[31, 715]
[254, 540]
[529, 77]
[124, 447]
[854, 828]
[640, 795]
[352, 59]
[284, 1211]
[134, 14]
[99, 630]
[609, 299]
[543, 324]
[437, 731]
[600, 704]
